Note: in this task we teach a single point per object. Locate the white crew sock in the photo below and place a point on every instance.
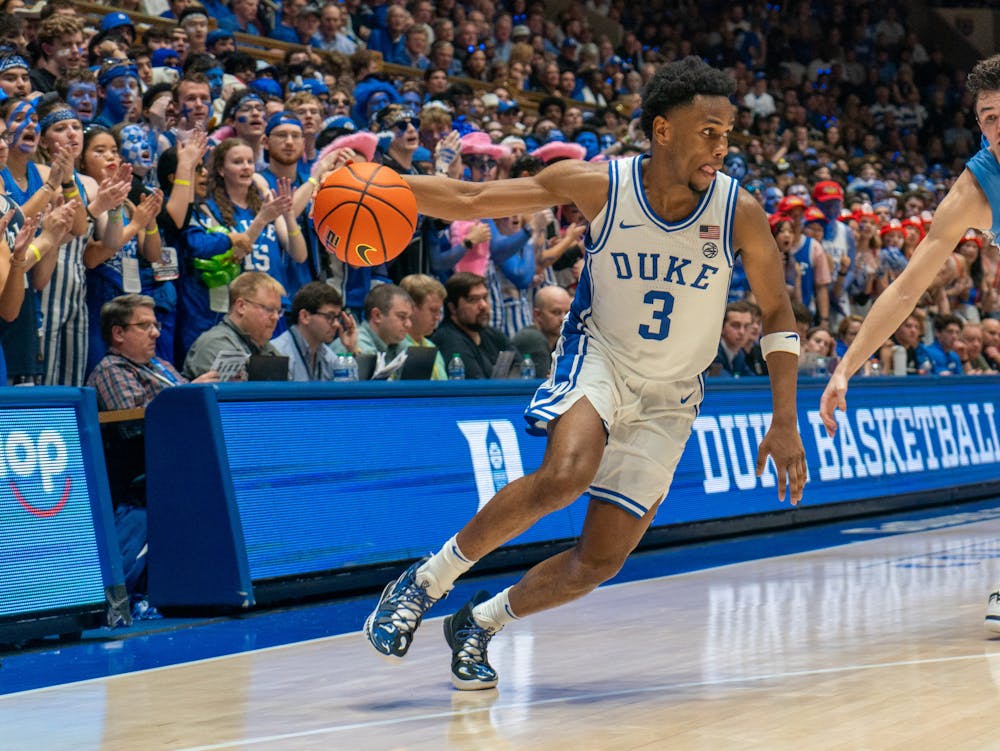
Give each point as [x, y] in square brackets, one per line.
[438, 575]
[495, 613]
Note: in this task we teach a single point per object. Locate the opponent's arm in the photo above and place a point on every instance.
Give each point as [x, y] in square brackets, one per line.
[965, 206]
[765, 271]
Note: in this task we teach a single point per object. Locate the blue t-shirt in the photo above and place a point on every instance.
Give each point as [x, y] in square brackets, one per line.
[985, 169]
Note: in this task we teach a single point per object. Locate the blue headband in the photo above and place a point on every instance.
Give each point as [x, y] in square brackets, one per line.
[13, 61]
[117, 71]
[281, 118]
[56, 116]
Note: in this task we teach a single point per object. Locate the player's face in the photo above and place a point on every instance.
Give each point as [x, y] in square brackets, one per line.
[426, 316]
[695, 138]
[988, 117]
[473, 311]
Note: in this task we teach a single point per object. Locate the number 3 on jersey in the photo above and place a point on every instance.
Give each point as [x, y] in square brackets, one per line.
[664, 306]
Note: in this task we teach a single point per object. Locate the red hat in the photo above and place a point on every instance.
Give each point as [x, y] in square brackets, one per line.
[777, 218]
[788, 203]
[914, 221]
[827, 190]
[814, 215]
[847, 215]
[893, 225]
[865, 211]
[972, 237]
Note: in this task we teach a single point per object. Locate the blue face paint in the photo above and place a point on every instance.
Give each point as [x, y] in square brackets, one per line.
[214, 76]
[119, 96]
[135, 148]
[242, 119]
[25, 110]
[82, 97]
[590, 142]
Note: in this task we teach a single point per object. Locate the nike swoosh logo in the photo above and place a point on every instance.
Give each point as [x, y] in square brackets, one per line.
[686, 398]
[622, 225]
[792, 336]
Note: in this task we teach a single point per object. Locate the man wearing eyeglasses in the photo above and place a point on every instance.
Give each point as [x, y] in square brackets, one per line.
[254, 312]
[131, 374]
[322, 328]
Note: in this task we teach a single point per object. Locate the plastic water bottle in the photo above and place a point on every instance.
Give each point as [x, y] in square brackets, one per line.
[456, 368]
[352, 367]
[527, 367]
[820, 368]
[341, 370]
[899, 360]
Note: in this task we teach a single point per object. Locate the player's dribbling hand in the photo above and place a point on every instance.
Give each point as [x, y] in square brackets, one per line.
[834, 397]
[784, 446]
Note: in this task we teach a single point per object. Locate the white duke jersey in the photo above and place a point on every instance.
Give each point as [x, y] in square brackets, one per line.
[653, 293]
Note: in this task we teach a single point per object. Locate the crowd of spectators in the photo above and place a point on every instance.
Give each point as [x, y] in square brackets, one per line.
[194, 161]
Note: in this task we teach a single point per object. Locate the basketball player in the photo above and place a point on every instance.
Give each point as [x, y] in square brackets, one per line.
[626, 381]
[973, 201]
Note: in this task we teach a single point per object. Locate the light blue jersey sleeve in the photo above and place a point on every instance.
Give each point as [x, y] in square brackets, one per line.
[987, 173]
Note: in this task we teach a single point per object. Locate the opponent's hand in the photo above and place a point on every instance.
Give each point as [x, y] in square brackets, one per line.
[834, 397]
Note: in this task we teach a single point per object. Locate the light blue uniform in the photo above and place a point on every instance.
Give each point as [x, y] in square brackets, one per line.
[643, 327]
[985, 169]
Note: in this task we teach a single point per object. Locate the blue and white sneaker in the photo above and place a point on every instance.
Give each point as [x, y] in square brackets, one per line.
[389, 629]
[993, 612]
[470, 667]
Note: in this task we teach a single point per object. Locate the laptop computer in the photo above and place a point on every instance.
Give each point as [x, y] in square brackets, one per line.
[419, 364]
[366, 366]
[267, 368]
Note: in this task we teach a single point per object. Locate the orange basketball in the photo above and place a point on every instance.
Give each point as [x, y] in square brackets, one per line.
[365, 214]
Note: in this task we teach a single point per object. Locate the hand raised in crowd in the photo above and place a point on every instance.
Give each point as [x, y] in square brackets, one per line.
[279, 202]
[333, 160]
[112, 190]
[61, 168]
[191, 150]
[58, 220]
[479, 233]
[148, 209]
[446, 161]
[25, 235]
[574, 233]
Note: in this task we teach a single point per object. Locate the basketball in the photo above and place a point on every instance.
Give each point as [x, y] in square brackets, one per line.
[365, 214]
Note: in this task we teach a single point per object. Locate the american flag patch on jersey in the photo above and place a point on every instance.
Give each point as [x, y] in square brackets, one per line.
[708, 231]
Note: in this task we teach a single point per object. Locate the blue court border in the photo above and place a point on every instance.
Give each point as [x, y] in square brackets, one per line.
[172, 641]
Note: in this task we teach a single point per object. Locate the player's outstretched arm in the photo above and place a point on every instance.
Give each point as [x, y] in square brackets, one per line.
[965, 206]
[562, 183]
[765, 272]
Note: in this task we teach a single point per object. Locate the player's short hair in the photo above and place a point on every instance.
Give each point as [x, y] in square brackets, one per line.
[985, 76]
[677, 84]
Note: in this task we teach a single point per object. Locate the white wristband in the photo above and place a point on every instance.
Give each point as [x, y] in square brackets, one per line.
[779, 341]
